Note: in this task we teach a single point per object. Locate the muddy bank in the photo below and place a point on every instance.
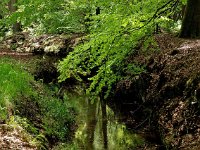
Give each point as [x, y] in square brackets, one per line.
[163, 103]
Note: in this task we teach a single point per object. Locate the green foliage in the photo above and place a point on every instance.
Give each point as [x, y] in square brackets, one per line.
[114, 35]
[13, 81]
[49, 16]
[33, 102]
[3, 29]
[29, 132]
[71, 16]
[63, 146]
[184, 2]
[24, 123]
[3, 16]
[57, 118]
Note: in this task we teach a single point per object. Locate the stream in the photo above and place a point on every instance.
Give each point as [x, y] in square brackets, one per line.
[99, 129]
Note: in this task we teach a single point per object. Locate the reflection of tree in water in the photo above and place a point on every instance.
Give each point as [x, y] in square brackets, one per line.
[101, 131]
[93, 117]
[104, 123]
[91, 124]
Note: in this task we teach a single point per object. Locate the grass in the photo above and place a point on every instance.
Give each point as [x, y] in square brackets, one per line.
[40, 112]
[13, 81]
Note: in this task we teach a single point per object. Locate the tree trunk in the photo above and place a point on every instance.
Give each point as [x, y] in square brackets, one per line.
[12, 7]
[191, 21]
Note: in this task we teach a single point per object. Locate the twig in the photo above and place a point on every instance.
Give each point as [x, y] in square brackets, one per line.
[157, 14]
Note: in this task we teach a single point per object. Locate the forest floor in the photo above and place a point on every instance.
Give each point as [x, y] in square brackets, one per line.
[172, 91]
[13, 138]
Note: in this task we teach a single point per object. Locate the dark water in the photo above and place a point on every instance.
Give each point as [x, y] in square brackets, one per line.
[99, 129]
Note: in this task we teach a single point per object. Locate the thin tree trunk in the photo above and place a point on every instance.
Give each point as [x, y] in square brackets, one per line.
[191, 21]
[12, 7]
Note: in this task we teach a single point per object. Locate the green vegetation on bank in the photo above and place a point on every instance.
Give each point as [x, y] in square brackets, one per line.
[33, 105]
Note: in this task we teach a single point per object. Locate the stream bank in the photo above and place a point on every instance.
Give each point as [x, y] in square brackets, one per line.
[159, 106]
[164, 101]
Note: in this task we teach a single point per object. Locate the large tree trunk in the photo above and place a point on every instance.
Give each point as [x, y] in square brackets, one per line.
[191, 21]
[12, 8]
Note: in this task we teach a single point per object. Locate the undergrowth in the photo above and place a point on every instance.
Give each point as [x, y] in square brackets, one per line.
[33, 105]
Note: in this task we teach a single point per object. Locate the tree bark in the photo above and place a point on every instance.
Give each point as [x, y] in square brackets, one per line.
[191, 21]
[12, 8]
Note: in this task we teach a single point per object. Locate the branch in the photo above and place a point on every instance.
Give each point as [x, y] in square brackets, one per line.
[158, 13]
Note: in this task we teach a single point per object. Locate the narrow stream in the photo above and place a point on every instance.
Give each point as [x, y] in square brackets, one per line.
[98, 129]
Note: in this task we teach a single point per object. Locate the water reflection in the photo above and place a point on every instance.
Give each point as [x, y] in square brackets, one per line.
[104, 124]
[99, 129]
[91, 122]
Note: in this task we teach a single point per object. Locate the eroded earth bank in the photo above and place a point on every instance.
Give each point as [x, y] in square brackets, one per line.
[164, 101]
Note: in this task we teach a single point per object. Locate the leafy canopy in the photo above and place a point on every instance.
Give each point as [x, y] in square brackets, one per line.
[47, 16]
[113, 36]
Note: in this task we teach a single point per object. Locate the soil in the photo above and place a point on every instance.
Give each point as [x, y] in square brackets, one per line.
[174, 91]
[16, 55]
[163, 104]
[14, 138]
